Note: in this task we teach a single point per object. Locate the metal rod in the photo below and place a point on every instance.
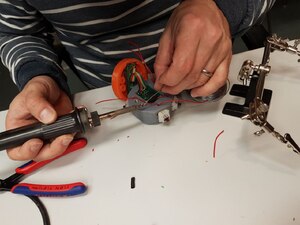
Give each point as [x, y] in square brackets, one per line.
[115, 113]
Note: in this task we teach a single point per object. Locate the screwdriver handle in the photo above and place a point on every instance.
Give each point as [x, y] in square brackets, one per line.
[74, 122]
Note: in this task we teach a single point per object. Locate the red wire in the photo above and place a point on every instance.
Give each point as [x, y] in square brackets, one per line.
[148, 103]
[215, 143]
[139, 55]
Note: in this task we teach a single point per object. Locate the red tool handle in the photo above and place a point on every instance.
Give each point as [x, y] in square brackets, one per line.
[32, 165]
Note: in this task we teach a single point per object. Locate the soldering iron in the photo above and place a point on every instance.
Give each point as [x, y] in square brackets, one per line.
[78, 121]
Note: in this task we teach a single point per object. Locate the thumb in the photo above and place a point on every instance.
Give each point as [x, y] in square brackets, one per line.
[39, 107]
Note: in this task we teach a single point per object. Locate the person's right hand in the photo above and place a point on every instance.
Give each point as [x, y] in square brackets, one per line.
[40, 100]
[196, 39]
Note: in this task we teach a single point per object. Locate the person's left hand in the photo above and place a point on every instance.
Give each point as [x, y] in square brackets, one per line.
[196, 38]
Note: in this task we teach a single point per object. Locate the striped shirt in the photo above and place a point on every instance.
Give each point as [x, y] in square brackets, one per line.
[96, 34]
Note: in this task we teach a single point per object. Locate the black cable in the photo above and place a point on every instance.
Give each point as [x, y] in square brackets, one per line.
[42, 209]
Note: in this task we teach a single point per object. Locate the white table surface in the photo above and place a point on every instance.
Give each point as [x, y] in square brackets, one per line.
[252, 180]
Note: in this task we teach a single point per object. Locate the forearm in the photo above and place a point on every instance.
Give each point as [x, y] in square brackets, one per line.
[24, 48]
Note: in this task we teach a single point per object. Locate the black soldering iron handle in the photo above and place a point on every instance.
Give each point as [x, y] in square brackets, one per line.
[66, 124]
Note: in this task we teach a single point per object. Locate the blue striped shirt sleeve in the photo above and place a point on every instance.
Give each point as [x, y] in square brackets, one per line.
[25, 47]
[241, 14]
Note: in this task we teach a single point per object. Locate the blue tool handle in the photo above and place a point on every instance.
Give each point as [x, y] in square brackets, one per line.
[59, 190]
[66, 124]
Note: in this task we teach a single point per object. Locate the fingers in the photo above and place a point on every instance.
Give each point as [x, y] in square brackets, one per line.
[220, 60]
[34, 149]
[197, 37]
[40, 100]
[32, 104]
[55, 148]
[27, 151]
[181, 61]
[209, 56]
[192, 75]
[37, 102]
[215, 82]
[39, 107]
[163, 57]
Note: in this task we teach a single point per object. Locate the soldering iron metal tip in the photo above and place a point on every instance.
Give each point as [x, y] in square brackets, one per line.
[115, 113]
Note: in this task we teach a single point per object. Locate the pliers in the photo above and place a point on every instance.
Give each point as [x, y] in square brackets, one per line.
[12, 183]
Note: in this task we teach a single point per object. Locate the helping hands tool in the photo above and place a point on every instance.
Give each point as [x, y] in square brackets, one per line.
[78, 121]
[257, 99]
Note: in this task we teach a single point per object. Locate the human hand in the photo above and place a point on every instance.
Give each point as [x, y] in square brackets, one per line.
[40, 100]
[196, 38]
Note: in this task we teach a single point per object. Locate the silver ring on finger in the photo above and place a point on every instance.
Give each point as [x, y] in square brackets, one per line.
[207, 73]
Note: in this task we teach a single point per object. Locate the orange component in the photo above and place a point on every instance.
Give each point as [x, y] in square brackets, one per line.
[118, 80]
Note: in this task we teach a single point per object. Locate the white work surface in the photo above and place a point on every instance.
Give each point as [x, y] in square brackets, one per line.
[252, 181]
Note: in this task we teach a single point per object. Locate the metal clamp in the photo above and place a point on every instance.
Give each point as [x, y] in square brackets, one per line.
[257, 109]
